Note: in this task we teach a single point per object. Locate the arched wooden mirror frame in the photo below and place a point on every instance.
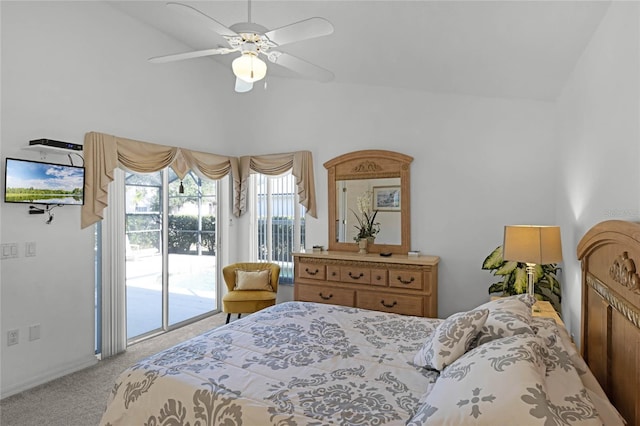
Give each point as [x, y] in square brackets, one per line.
[371, 164]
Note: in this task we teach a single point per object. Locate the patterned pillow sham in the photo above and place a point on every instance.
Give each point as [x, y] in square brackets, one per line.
[451, 339]
[502, 383]
[508, 316]
[568, 373]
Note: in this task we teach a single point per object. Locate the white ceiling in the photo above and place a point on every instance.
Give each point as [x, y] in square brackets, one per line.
[512, 49]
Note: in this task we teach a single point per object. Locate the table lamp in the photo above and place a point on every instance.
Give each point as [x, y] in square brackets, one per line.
[532, 245]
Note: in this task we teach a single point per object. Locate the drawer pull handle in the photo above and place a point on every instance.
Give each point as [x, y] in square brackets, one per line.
[333, 274]
[310, 272]
[356, 277]
[405, 281]
[378, 277]
[389, 306]
[323, 297]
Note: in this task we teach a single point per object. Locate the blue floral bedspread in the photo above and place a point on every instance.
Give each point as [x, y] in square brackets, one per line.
[295, 363]
[300, 363]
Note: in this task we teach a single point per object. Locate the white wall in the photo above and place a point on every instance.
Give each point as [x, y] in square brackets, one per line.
[479, 163]
[599, 139]
[69, 68]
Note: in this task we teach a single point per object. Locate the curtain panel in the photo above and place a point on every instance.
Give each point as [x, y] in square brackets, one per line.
[104, 153]
[301, 165]
[113, 298]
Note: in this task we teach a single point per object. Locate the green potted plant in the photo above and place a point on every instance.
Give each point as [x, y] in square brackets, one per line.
[513, 278]
[367, 226]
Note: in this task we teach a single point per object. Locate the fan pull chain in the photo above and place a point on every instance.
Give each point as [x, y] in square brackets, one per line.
[181, 188]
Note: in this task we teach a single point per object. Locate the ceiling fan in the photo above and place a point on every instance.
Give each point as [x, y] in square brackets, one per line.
[252, 41]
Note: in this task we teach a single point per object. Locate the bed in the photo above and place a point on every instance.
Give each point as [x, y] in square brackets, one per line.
[302, 363]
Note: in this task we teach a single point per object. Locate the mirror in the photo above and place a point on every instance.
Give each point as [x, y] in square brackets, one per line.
[379, 180]
[385, 199]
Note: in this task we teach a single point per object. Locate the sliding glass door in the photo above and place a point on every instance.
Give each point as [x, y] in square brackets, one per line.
[170, 251]
[192, 247]
[144, 260]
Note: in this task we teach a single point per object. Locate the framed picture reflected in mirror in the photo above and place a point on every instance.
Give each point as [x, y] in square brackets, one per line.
[387, 198]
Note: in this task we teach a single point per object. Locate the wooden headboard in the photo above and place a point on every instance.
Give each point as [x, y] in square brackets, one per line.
[610, 330]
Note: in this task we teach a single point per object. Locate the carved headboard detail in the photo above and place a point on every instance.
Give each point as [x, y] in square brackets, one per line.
[623, 271]
[610, 330]
[628, 310]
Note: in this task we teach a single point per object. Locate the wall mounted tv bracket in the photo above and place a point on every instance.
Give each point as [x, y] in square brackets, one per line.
[47, 209]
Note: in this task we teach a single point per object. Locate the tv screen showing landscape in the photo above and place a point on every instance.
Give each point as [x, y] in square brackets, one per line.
[35, 182]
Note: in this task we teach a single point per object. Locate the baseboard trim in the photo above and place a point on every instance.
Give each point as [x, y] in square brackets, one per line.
[63, 370]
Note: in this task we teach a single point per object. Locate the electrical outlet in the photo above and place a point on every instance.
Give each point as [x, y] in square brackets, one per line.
[13, 337]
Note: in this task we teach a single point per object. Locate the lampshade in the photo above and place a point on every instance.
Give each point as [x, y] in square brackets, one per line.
[539, 245]
[249, 67]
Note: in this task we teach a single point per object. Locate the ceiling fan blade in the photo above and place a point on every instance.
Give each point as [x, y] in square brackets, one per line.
[190, 55]
[209, 21]
[243, 86]
[302, 67]
[301, 30]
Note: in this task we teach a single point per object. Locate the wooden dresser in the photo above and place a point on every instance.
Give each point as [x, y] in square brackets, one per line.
[400, 284]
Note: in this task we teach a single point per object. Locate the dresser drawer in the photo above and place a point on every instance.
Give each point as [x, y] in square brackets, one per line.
[312, 271]
[351, 274]
[333, 273]
[388, 302]
[402, 278]
[319, 294]
[379, 277]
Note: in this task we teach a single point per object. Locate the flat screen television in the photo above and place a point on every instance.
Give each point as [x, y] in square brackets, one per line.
[36, 182]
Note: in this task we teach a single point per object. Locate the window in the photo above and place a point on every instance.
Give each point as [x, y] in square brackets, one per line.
[278, 222]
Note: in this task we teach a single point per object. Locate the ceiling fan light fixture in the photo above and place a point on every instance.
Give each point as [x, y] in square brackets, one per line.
[249, 67]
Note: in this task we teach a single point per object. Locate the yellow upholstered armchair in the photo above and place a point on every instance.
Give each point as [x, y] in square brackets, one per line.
[251, 286]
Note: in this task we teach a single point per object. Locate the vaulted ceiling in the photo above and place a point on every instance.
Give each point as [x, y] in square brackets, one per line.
[511, 49]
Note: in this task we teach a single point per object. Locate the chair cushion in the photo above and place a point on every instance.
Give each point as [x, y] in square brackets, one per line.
[253, 280]
[249, 301]
[243, 296]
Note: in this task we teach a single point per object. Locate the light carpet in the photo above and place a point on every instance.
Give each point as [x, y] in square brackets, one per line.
[79, 399]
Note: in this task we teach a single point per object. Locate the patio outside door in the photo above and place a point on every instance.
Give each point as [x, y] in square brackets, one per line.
[170, 251]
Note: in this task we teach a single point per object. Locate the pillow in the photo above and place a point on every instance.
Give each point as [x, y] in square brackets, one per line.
[451, 339]
[253, 280]
[508, 316]
[501, 383]
[567, 373]
[516, 302]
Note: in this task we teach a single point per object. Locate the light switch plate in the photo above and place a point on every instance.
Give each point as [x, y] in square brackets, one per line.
[30, 249]
[9, 250]
[34, 332]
